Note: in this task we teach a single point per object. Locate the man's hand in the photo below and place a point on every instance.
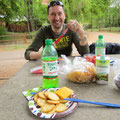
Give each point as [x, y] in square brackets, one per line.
[75, 26]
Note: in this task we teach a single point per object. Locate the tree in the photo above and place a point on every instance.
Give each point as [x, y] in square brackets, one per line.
[11, 8]
[114, 11]
[77, 9]
[96, 13]
[40, 12]
[33, 10]
[29, 14]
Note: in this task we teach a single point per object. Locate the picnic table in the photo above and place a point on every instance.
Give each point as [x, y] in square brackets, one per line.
[14, 106]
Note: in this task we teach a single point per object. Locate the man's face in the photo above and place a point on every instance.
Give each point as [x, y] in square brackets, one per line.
[56, 16]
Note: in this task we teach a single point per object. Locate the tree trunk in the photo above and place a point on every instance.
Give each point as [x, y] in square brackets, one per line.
[29, 14]
[28, 26]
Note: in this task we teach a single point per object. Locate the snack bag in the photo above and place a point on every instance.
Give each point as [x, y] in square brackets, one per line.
[79, 70]
[116, 68]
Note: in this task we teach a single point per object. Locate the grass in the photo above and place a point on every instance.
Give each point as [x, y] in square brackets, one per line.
[8, 37]
[108, 29]
[31, 34]
[12, 47]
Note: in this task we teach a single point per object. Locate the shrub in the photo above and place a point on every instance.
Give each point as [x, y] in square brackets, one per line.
[3, 30]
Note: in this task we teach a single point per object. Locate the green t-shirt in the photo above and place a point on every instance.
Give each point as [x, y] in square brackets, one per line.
[64, 46]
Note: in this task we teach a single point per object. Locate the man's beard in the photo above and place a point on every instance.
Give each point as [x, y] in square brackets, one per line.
[57, 26]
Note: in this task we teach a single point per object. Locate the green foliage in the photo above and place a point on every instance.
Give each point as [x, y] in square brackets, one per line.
[67, 10]
[11, 8]
[94, 13]
[3, 30]
[15, 47]
[40, 11]
[108, 29]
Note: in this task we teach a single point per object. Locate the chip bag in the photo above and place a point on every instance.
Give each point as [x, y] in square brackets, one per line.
[79, 70]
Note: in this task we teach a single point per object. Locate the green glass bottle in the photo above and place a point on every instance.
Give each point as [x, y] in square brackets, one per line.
[49, 65]
[100, 46]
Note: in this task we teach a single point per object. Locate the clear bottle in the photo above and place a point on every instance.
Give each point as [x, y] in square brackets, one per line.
[100, 46]
[49, 65]
[102, 69]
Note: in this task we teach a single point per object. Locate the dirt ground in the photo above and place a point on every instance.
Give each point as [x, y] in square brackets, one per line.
[12, 61]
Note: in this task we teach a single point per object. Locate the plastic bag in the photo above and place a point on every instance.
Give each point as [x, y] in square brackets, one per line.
[78, 70]
[116, 68]
[36, 70]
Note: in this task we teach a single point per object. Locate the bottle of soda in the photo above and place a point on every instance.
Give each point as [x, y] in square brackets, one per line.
[49, 65]
[100, 46]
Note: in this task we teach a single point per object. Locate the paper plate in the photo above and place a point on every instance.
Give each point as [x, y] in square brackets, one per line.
[36, 110]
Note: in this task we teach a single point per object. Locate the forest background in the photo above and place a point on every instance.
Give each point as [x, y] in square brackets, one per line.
[91, 14]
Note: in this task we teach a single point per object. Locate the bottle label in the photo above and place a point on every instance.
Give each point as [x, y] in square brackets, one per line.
[50, 68]
[100, 45]
[102, 70]
[100, 51]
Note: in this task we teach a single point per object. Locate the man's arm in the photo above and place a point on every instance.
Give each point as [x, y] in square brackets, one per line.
[32, 55]
[34, 50]
[79, 38]
[83, 38]
[75, 26]
[81, 45]
[35, 55]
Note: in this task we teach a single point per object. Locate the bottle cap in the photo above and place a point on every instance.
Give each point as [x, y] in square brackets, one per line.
[48, 41]
[100, 36]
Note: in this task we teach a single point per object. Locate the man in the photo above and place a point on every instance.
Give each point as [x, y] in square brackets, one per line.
[75, 34]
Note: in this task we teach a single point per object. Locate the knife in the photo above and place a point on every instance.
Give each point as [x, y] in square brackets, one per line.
[91, 102]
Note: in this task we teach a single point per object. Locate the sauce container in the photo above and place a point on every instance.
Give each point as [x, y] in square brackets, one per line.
[102, 69]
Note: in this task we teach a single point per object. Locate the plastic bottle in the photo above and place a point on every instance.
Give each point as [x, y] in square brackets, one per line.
[49, 65]
[102, 69]
[100, 46]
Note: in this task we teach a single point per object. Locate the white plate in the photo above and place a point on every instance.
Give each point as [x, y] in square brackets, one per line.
[36, 110]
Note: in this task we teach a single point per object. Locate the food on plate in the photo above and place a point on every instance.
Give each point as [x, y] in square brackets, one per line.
[52, 111]
[84, 72]
[64, 92]
[41, 102]
[63, 101]
[53, 96]
[61, 107]
[35, 97]
[47, 108]
[46, 93]
[54, 101]
[42, 95]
